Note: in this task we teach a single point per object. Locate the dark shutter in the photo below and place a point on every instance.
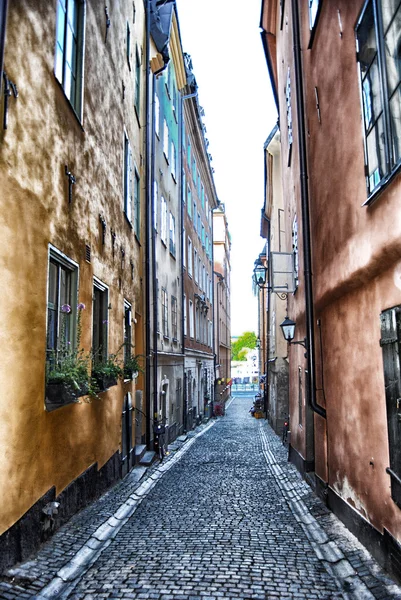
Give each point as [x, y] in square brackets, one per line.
[390, 340]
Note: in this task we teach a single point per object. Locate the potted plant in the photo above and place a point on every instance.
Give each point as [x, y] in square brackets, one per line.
[131, 366]
[67, 375]
[106, 372]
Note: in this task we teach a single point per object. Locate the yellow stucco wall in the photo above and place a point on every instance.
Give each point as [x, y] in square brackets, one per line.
[40, 449]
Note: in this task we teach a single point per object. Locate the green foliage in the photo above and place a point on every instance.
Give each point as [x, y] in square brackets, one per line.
[246, 341]
[66, 364]
[132, 366]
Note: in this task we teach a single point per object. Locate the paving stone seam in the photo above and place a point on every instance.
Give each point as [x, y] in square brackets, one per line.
[68, 576]
[326, 550]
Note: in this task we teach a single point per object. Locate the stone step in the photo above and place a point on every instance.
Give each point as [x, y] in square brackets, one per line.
[140, 451]
[148, 458]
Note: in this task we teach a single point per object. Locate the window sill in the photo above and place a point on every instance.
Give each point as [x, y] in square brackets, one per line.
[382, 186]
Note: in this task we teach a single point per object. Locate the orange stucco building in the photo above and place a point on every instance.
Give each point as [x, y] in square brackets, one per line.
[339, 107]
[71, 190]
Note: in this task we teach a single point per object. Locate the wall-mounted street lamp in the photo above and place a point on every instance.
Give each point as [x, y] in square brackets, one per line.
[288, 329]
[260, 275]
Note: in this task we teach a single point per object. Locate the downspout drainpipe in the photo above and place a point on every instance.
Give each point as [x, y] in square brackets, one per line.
[149, 222]
[305, 214]
[154, 270]
[182, 238]
[268, 291]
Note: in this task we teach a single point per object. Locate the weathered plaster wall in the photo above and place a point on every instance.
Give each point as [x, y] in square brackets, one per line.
[357, 254]
[40, 449]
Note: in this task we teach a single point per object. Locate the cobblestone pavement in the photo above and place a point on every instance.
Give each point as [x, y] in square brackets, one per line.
[224, 516]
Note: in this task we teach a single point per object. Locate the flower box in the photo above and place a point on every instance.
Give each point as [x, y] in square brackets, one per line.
[61, 394]
[104, 382]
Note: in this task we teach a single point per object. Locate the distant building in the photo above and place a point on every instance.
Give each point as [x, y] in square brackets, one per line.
[199, 198]
[222, 303]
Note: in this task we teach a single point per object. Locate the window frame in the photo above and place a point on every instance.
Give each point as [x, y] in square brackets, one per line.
[163, 220]
[102, 289]
[164, 309]
[137, 204]
[128, 186]
[313, 19]
[172, 242]
[61, 62]
[391, 167]
[174, 318]
[72, 268]
[137, 104]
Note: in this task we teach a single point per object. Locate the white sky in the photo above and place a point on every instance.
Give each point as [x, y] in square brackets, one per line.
[223, 40]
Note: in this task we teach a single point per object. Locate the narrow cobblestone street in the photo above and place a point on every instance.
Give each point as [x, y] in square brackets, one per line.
[224, 516]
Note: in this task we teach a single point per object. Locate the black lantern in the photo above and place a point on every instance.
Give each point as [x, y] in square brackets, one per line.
[288, 329]
[260, 274]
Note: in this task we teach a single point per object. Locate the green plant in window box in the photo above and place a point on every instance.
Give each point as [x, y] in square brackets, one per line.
[105, 372]
[67, 368]
[132, 366]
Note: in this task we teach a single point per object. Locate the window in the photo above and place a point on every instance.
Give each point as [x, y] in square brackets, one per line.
[174, 320]
[197, 323]
[189, 154]
[198, 186]
[194, 170]
[127, 330]
[157, 116]
[163, 217]
[173, 156]
[289, 113]
[155, 202]
[68, 66]
[194, 214]
[137, 82]
[172, 235]
[189, 203]
[390, 344]
[295, 250]
[127, 179]
[191, 319]
[314, 6]
[165, 139]
[184, 186]
[137, 205]
[203, 236]
[62, 293]
[128, 46]
[185, 315]
[189, 257]
[164, 300]
[196, 266]
[379, 56]
[184, 250]
[99, 321]
[199, 228]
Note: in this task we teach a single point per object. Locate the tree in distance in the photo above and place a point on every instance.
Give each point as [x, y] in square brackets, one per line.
[246, 341]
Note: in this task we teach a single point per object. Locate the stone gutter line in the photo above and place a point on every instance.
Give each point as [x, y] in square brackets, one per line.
[325, 549]
[68, 576]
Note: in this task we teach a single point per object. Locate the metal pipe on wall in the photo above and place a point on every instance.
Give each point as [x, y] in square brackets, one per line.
[306, 237]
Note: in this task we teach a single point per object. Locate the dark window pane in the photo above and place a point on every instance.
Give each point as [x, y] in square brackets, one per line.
[372, 98]
[53, 287]
[393, 53]
[395, 120]
[375, 144]
[367, 39]
[389, 8]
